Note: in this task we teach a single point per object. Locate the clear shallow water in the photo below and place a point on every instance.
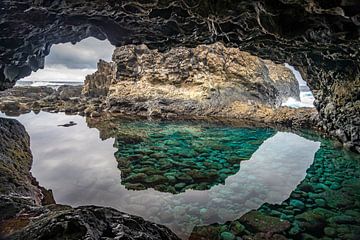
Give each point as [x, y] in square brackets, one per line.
[82, 169]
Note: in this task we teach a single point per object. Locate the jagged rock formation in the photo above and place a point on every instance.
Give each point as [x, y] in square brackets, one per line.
[28, 211]
[320, 38]
[191, 81]
[98, 83]
[20, 100]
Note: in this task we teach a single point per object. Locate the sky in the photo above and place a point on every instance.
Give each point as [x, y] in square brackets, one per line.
[68, 62]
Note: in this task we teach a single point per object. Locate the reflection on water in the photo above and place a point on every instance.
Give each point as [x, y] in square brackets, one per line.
[174, 157]
[81, 169]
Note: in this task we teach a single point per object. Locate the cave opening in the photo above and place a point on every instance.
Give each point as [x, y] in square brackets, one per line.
[187, 133]
[69, 64]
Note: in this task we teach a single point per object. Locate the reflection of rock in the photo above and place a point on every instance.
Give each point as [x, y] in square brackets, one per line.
[26, 213]
[174, 157]
[98, 83]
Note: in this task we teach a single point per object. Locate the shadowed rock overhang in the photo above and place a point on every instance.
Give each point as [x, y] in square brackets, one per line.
[320, 38]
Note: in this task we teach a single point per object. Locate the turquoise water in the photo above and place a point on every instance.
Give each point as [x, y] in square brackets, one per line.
[202, 180]
[174, 157]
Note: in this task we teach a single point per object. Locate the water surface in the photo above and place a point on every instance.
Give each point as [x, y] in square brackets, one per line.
[179, 174]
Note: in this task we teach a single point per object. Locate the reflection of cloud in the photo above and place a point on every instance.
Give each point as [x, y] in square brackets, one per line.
[68, 62]
[81, 169]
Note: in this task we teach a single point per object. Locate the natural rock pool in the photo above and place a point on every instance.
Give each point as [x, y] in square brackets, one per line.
[200, 179]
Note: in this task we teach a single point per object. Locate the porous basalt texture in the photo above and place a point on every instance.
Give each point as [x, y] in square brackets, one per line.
[320, 38]
[98, 83]
[15, 178]
[28, 211]
[197, 80]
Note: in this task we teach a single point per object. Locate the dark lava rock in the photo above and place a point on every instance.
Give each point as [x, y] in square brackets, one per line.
[70, 124]
[92, 223]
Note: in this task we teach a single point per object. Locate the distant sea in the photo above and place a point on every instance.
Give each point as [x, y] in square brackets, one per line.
[52, 84]
[306, 99]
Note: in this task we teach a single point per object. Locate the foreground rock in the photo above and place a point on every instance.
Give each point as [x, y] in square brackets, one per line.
[28, 211]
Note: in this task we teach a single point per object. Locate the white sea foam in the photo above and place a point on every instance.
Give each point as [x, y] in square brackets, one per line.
[306, 96]
[306, 100]
[52, 84]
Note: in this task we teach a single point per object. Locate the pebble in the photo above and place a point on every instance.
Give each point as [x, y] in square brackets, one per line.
[237, 227]
[320, 202]
[297, 203]
[335, 186]
[227, 236]
[331, 232]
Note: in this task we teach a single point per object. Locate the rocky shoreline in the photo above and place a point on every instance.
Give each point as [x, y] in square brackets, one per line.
[68, 99]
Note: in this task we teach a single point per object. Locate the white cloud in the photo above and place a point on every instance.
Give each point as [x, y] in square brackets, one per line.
[84, 54]
[68, 62]
[59, 73]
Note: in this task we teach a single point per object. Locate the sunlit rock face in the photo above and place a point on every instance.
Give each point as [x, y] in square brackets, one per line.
[98, 83]
[206, 79]
[320, 38]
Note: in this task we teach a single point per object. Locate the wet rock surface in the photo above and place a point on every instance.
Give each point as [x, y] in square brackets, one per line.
[319, 38]
[28, 211]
